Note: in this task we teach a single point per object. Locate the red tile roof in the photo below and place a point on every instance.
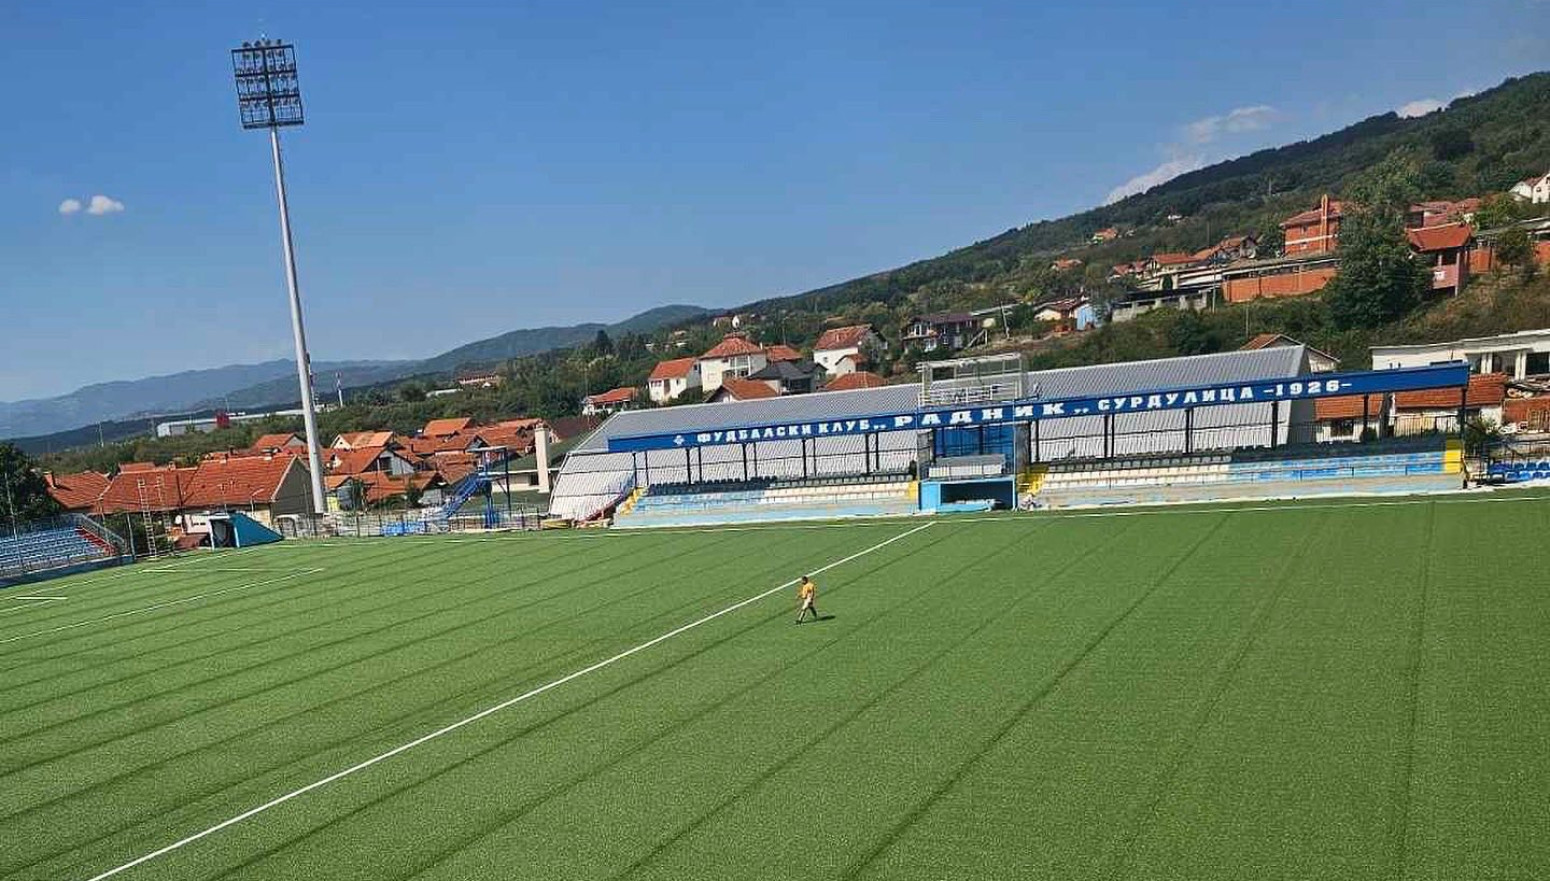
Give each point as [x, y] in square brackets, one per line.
[236, 482]
[1347, 407]
[1312, 215]
[859, 379]
[1439, 238]
[782, 352]
[732, 345]
[165, 489]
[139, 466]
[621, 395]
[844, 337]
[677, 368]
[278, 441]
[76, 492]
[567, 427]
[381, 487]
[1174, 258]
[745, 389]
[446, 427]
[1485, 390]
[358, 460]
[365, 438]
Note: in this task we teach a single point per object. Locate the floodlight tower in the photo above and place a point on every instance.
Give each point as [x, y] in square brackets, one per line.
[269, 96]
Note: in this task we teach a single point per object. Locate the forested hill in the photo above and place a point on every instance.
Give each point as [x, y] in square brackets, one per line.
[1480, 144]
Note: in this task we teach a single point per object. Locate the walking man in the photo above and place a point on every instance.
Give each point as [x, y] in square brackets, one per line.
[807, 594]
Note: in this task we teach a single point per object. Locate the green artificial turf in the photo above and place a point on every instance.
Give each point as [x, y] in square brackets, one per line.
[1321, 691]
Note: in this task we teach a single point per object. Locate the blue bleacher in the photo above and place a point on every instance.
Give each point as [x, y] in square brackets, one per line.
[765, 499]
[50, 548]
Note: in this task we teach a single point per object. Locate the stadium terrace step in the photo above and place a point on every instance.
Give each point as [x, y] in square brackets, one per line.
[762, 501]
[60, 546]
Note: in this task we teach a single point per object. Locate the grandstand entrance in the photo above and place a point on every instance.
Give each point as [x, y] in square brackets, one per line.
[973, 467]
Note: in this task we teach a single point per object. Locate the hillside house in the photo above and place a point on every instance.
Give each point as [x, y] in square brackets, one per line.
[941, 330]
[1066, 264]
[734, 357]
[1229, 249]
[76, 493]
[442, 428]
[263, 488]
[789, 377]
[846, 349]
[1318, 361]
[1534, 190]
[1069, 314]
[611, 401]
[781, 352]
[1445, 251]
[368, 460]
[1290, 276]
[1437, 410]
[277, 443]
[1107, 234]
[857, 380]
[736, 388]
[1316, 231]
[355, 439]
[1347, 417]
[669, 380]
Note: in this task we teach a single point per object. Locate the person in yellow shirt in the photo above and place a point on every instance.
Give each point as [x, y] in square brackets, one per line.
[807, 594]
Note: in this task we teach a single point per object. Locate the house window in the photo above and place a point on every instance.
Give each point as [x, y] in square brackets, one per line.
[1342, 427]
[1538, 364]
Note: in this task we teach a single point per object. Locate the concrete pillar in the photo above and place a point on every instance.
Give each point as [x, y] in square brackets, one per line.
[541, 457]
[1520, 365]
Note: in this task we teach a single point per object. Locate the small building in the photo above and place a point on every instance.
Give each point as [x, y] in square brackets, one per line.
[1445, 251]
[789, 377]
[736, 388]
[1318, 361]
[1341, 419]
[1068, 314]
[277, 443]
[611, 401]
[735, 356]
[1134, 304]
[1527, 415]
[1230, 249]
[356, 439]
[1316, 231]
[841, 349]
[263, 488]
[1437, 410]
[1107, 234]
[1534, 190]
[1521, 355]
[941, 330]
[669, 380]
[781, 352]
[1065, 264]
[369, 460]
[483, 380]
[141, 486]
[858, 379]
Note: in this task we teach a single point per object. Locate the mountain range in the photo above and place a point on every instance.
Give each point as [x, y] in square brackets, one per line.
[272, 383]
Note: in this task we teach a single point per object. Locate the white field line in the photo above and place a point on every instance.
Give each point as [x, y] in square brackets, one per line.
[39, 598]
[489, 711]
[188, 568]
[151, 608]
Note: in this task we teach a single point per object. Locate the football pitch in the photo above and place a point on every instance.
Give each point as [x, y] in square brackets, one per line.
[1339, 690]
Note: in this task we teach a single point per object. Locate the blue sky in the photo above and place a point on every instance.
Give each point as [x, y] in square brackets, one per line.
[471, 168]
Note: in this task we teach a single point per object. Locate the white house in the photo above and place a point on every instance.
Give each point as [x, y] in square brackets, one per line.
[1519, 355]
[1535, 190]
[734, 356]
[840, 349]
[671, 379]
[611, 401]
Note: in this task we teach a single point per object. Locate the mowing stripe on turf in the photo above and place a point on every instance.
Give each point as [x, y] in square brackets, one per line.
[489, 711]
[143, 609]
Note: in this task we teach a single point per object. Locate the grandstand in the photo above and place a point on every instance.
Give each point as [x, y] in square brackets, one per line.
[977, 434]
[56, 547]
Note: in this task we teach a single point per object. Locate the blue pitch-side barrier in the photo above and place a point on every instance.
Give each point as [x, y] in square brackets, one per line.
[1365, 382]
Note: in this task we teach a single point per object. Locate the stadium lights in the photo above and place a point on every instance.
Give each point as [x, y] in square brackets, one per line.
[269, 96]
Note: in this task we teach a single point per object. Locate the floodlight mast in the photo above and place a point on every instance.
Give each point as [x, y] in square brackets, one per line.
[269, 96]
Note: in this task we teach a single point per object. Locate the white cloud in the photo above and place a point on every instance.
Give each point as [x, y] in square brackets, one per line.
[1161, 174]
[70, 206]
[101, 205]
[1235, 121]
[1420, 107]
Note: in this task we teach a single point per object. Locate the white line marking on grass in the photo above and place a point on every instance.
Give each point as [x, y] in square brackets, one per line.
[218, 569]
[489, 711]
[151, 608]
[40, 598]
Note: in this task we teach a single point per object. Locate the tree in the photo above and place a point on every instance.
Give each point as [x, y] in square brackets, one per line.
[1378, 279]
[601, 344]
[1498, 211]
[411, 392]
[23, 491]
[1451, 144]
[1515, 248]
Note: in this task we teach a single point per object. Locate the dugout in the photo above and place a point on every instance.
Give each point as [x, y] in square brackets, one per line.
[234, 529]
[970, 431]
